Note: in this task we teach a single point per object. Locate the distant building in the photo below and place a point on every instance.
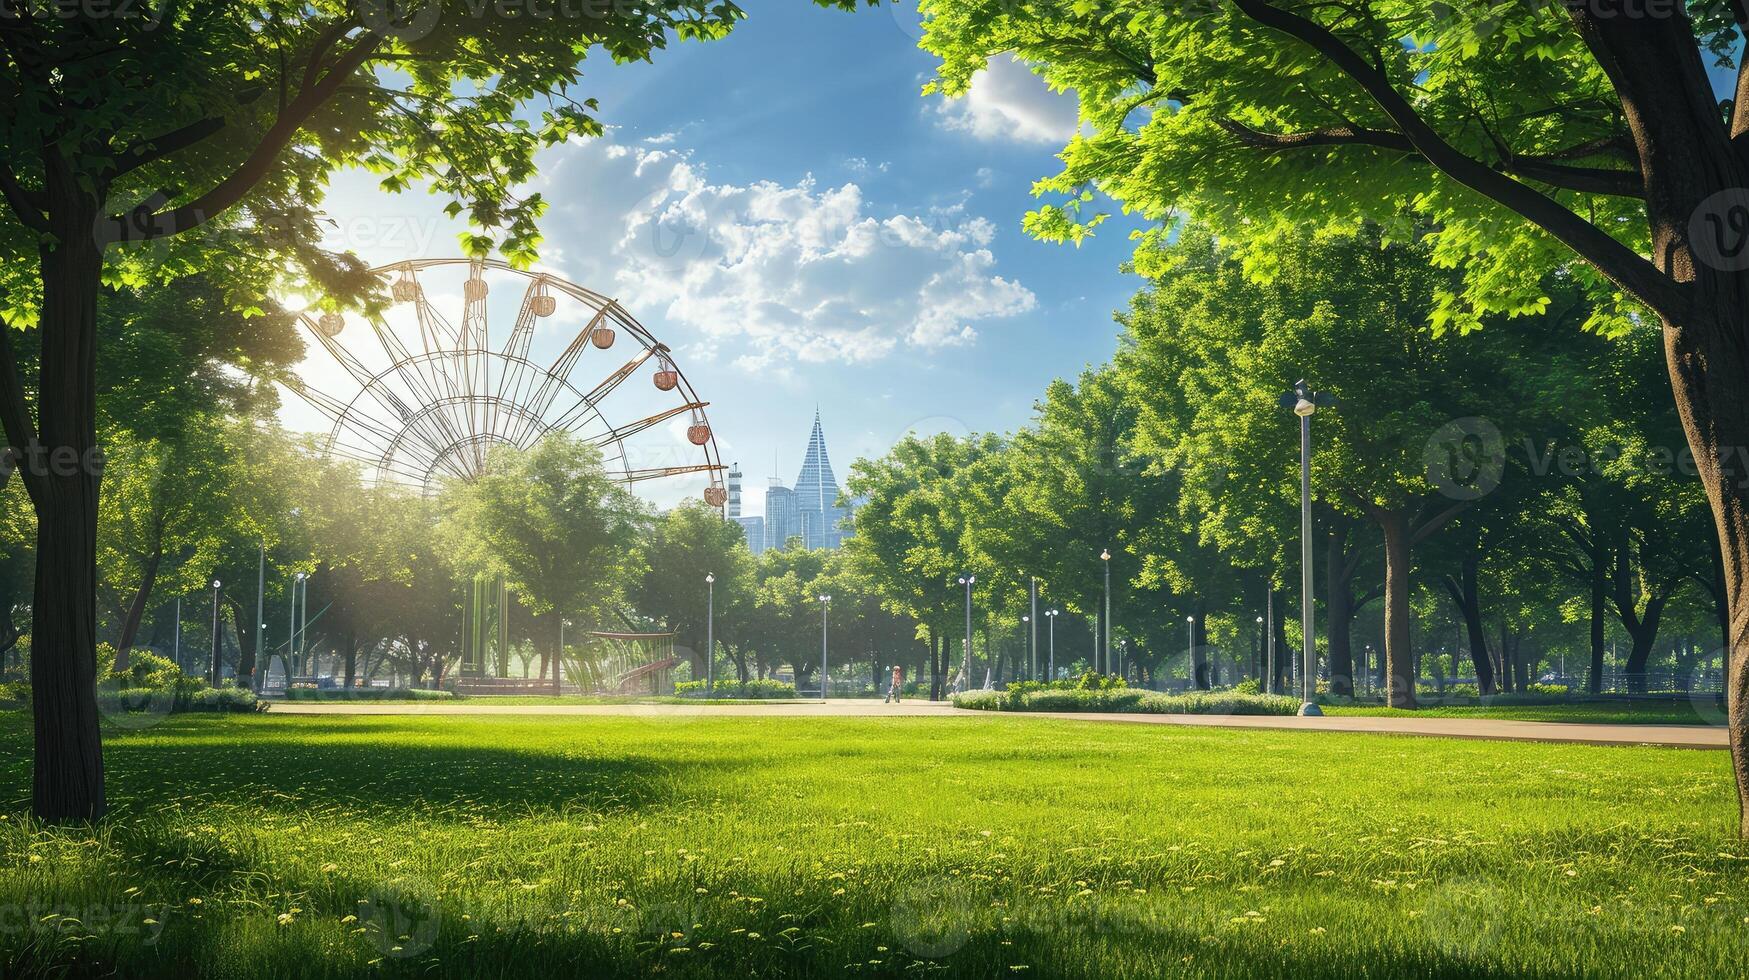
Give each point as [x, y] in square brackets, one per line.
[783, 519]
[734, 491]
[817, 495]
[754, 528]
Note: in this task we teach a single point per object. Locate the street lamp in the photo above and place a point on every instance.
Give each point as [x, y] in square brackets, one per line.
[825, 605]
[1264, 684]
[1190, 647]
[966, 655]
[1104, 650]
[710, 634]
[1304, 402]
[214, 679]
[1053, 613]
[291, 643]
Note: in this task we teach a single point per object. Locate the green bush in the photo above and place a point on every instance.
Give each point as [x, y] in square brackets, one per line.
[754, 689]
[306, 693]
[223, 699]
[1554, 690]
[176, 700]
[1130, 700]
[1248, 686]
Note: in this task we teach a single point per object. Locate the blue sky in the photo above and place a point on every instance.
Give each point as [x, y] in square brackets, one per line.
[786, 211]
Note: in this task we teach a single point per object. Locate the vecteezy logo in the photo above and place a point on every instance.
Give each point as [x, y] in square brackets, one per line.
[402, 21]
[1718, 231]
[401, 919]
[1465, 458]
[926, 915]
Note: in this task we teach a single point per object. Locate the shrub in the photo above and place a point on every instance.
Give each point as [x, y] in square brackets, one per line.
[753, 689]
[1130, 700]
[1091, 681]
[222, 699]
[177, 699]
[1248, 686]
[1553, 690]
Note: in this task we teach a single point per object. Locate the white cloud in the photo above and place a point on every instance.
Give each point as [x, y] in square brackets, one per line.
[768, 273]
[1007, 102]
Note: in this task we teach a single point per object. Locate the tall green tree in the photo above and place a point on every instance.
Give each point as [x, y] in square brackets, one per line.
[1587, 139]
[551, 523]
[679, 550]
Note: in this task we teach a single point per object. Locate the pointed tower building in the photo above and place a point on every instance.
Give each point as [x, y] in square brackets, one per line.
[816, 493]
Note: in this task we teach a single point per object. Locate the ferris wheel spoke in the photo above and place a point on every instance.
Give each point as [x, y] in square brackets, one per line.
[338, 411]
[536, 302]
[662, 472]
[593, 398]
[633, 428]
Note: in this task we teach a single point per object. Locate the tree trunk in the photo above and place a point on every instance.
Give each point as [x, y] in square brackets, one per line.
[1465, 595]
[248, 642]
[934, 665]
[1284, 654]
[67, 783]
[1399, 665]
[1339, 606]
[130, 626]
[349, 644]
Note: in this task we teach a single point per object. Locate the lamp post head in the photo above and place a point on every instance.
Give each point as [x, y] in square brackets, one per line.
[1260, 620]
[216, 585]
[1190, 619]
[825, 598]
[709, 578]
[300, 576]
[1026, 619]
[1105, 554]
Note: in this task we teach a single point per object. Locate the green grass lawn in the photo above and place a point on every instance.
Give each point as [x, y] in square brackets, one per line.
[972, 845]
[1651, 712]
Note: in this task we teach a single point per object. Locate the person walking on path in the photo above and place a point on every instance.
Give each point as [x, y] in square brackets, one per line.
[897, 687]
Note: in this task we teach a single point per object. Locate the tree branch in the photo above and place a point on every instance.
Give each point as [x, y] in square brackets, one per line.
[138, 154]
[145, 223]
[1589, 180]
[22, 202]
[14, 413]
[1629, 270]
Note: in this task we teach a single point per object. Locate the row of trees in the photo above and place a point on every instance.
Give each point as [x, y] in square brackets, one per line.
[1516, 494]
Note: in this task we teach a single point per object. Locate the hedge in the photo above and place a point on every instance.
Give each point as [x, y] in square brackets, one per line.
[368, 694]
[1130, 700]
[222, 700]
[754, 689]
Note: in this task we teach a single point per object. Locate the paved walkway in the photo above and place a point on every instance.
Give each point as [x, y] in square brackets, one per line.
[1672, 736]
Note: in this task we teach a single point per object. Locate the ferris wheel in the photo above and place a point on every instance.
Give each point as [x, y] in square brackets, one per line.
[431, 397]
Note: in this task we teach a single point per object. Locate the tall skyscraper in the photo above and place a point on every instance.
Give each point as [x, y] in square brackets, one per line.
[783, 519]
[816, 494]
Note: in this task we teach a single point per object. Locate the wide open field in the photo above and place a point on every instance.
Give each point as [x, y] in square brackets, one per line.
[966, 845]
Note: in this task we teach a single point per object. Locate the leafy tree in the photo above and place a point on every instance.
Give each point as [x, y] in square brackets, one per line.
[680, 549]
[163, 512]
[1522, 140]
[552, 525]
[911, 533]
